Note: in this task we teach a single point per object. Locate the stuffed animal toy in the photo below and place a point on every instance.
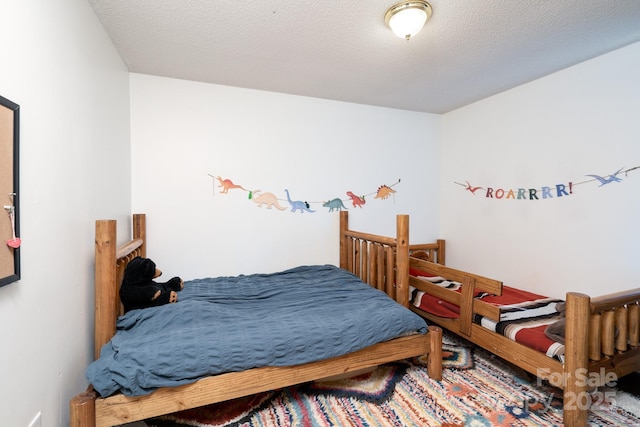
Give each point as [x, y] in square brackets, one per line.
[139, 290]
[555, 331]
[421, 255]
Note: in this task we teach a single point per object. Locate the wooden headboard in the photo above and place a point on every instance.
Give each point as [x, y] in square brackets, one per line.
[383, 262]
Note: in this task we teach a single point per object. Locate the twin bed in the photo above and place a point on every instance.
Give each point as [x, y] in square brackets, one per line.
[601, 335]
[335, 322]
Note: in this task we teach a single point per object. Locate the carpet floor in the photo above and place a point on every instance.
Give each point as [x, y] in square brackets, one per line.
[478, 389]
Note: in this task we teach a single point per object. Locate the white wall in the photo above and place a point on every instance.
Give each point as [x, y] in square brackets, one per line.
[183, 131]
[72, 88]
[579, 121]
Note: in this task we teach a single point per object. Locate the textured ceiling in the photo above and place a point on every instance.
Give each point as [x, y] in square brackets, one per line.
[342, 50]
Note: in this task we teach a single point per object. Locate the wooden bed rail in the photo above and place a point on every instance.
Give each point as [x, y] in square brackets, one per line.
[358, 235]
[616, 299]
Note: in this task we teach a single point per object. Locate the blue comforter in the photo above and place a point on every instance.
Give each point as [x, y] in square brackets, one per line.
[228, 324]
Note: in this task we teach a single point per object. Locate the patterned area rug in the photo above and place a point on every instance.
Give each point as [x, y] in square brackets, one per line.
[477, 390]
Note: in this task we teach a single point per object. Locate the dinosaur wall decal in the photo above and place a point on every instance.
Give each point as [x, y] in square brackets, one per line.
[227, 184]
[298, 204]
[334, 204]
[384, 191]
[268, 199]
[472, 189]
[607, 179]
[356, 200]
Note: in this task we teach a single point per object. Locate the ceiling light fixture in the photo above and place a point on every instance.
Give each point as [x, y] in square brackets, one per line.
[407, 18]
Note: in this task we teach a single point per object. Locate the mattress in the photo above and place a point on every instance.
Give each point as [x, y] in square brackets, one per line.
[227, 324]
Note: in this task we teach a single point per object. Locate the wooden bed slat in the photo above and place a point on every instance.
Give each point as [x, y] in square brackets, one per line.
[607, 332]
[634, 320]
[621, 315]
[364, 264]
[357, 258]
[381, 282]
[595, 342]
[388, 264]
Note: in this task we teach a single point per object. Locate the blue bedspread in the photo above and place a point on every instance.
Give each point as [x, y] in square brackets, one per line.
[225, 324]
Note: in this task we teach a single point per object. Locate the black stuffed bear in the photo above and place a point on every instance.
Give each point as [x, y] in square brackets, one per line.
[139, 290]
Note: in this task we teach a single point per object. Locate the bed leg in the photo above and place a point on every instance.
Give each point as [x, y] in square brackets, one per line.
[576, 399]
[434, 361]
[82, 410]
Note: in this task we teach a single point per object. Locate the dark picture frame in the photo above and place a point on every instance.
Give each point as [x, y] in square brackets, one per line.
[9, 192]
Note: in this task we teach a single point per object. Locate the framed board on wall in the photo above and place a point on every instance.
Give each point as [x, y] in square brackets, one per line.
[9, 177]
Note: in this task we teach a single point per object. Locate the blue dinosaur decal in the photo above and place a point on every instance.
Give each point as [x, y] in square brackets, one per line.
[334, 204]
[298, 204]
[607, 179]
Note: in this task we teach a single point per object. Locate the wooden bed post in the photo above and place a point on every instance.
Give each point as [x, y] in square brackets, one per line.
[344, 226]
[140, 232]
[434, 366]
[576, 399]
[402, 260]
[82, 410]
[440, 256]
[106, 300]
[106, 295]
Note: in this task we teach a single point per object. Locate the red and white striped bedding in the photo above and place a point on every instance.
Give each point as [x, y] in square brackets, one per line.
[524, 315]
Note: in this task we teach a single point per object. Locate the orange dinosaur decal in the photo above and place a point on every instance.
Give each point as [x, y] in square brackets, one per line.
[227, 184]
[384, 192]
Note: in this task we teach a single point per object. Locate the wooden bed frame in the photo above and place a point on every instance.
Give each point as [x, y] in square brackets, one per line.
[594, 354]
[380, 261]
